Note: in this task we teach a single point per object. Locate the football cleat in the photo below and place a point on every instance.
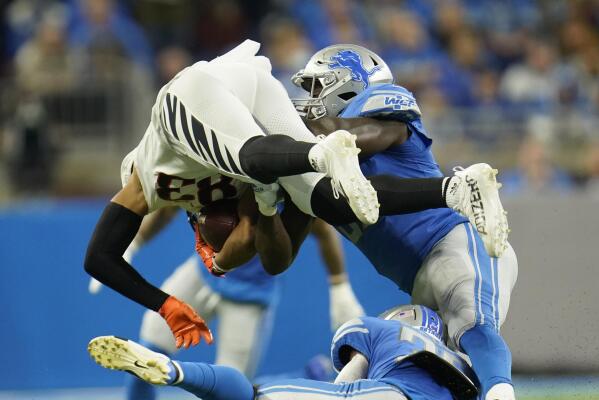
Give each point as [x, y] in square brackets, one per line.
[342, 166]
[477, 192]
[113, 352]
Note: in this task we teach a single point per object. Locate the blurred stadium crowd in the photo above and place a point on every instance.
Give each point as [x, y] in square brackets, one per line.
[513, 82]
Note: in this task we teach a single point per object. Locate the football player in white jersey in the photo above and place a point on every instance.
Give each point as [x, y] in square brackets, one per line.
[229, 118]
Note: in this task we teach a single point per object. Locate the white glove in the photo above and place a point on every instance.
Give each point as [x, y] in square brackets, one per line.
[344, 305]
[95, 285]
[267, 197]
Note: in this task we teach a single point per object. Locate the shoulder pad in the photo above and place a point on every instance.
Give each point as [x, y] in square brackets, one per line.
[389, 101]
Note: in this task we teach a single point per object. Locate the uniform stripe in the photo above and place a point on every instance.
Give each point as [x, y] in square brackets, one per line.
[190, 133]
[313, 390]
[487, 286]
[199, 133]
[486, 290]
[183, 118]
[493, 283]
[477, 278]
[348, 331]
[352, 324]
[186, 132]
[495, 264]
[232, 163]
[218, 154]
[171, 105]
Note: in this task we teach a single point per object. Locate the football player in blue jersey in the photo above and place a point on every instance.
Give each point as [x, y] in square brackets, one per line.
[244, 303]
[398, 356]
[438, 256]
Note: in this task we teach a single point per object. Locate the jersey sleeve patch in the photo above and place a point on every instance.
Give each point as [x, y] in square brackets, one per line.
[353, 333]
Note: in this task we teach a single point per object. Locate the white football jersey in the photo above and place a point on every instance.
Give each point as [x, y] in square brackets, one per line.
[168, 173]
[170, 179]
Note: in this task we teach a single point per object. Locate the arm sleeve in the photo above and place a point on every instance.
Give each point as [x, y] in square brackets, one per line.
[104, 259]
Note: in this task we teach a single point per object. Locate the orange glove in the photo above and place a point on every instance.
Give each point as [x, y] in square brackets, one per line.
[207, 253]
[186, 325]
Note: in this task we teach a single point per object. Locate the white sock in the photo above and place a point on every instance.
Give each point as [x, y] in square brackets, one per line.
[450, 191]
[501, 391]
[180, 374]
[317, 158]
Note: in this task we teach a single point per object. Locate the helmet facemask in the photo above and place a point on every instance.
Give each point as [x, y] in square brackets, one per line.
[329, 93]
[334, 76]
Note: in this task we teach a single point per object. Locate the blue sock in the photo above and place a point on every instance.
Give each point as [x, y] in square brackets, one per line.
[490, 356]
[137, 389]
[215, 382]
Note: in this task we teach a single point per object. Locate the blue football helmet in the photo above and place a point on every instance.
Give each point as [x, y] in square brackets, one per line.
[335, 75]
[420, 317]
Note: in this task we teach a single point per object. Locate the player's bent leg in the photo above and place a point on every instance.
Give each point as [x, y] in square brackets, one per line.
[244, 329]
[268, 158]
[302, 389]
[490, 356]
[209, 382]
[472, 292]
[396, 196]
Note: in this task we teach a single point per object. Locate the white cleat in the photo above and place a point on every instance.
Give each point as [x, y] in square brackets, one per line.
[478, 193]
[501, 391]
[342, 166]
[115, 353]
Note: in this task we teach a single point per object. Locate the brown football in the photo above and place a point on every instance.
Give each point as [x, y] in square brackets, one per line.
[216, 222]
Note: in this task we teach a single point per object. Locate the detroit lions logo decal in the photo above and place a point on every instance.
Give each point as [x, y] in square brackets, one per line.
[352, 61]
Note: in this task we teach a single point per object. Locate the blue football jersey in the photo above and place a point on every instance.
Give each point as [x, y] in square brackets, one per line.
[397, 245]
[248, 283]
[388, 346]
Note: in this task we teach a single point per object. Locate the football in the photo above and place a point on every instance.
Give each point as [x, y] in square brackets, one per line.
[216, 222]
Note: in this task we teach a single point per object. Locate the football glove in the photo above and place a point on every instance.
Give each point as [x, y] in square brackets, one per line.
[187, 326]
[267, 197]
[206, 253]
[344, 305]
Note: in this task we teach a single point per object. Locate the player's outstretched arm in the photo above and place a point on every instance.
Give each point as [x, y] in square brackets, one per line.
[343, 303]
[104, 261]
[151, 225]
[374, 135]
[114, 232]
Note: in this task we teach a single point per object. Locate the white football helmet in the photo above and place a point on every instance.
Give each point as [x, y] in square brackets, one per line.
[335, 75]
